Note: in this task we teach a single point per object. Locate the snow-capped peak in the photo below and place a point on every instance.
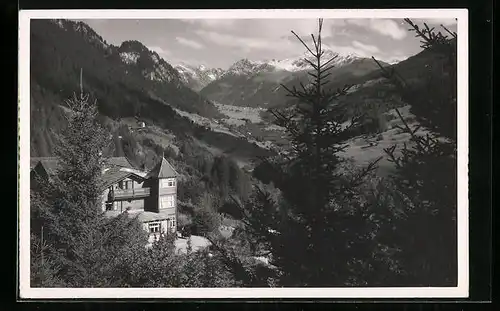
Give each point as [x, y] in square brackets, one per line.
[292, 64]
[197, 77]
[245, 66]
[299, 63]
[396, 60]
[184, 68]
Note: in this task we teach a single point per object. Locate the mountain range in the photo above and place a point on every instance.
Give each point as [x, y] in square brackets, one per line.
[132, 81]
[126, 81]
[258, 83]
[197, 77]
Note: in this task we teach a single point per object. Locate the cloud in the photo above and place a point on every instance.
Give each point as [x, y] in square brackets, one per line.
[391, 59]
[159, 50]
[365, 50]
[269, 37]
[350, 50]
[303, 27]
[172, 58]
[269, 28]
[244, 43]
[341, 32]
[189, 43]
[365, 47]
[288, 45]
[386, 27]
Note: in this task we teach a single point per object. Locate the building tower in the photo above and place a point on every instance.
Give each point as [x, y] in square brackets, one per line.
[163, 199]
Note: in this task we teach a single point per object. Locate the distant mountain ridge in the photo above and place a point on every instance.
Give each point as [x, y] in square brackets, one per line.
[299, 63]
[197, 77]
[258, 83]
[292, 64]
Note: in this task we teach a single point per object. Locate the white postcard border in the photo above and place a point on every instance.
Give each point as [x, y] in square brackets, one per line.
[27, 292]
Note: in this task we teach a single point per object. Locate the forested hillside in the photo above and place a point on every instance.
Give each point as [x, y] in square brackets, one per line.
[147, 88]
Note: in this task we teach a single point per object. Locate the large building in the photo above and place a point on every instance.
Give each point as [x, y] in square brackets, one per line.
[150, 196]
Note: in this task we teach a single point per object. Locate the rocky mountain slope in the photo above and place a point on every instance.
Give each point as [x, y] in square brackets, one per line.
[197, 77]
[258, 83]
[299, 63]
[127, 81]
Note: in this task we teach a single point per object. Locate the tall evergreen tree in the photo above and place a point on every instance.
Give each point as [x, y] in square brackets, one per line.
[66, 212]
[425, 229]
[316, 234]
[205, 219]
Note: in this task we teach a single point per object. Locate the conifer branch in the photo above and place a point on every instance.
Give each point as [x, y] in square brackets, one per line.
[453, 34]
[329, 61]
[303, 43]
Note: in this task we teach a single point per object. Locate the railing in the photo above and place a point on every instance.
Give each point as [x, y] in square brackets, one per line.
[124, 194]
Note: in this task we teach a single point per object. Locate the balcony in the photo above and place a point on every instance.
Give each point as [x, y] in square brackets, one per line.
[128, 194]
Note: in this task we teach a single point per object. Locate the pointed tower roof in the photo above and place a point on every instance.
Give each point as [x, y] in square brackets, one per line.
[163, 170]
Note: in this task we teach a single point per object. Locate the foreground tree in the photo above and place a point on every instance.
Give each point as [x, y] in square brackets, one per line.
[66, 211]
[205, 217]
[317, 233]
[424, 229]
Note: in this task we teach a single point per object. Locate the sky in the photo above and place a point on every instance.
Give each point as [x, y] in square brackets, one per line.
[222, 42]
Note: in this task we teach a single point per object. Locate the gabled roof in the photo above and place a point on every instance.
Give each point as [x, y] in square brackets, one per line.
[120, 161]
[118, 168]
[51, 163]
[35, 160]
[163, 170]
[112, 176]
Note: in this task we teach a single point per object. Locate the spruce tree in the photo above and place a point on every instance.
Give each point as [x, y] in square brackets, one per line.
[205, 218]
[316, 233]
[424, 229]
[84, 245]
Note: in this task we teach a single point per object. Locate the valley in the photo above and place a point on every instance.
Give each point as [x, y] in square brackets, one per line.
[212, 106]
[222, 112]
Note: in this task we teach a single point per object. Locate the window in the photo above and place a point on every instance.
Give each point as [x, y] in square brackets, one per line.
[154, 227]
[167, 201]
[171, 225]
[129, 184]
[109, 206]
[169, 182]
[125, 184]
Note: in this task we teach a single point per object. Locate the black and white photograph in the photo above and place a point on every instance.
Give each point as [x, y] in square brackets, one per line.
[243, 153]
